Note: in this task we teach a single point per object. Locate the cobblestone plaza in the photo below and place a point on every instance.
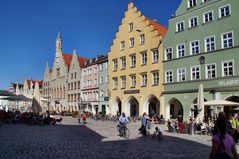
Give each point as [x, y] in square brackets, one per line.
[96, 139]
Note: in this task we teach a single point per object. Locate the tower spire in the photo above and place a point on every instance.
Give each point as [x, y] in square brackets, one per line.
[58, 43]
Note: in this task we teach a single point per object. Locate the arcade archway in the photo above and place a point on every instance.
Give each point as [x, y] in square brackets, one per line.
[152, 105]
[132, 107]
[176, 108]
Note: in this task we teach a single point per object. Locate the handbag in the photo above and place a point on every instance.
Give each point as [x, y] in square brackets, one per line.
[221, 155]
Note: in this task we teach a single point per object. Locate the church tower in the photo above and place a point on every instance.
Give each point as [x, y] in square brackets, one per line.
[58, 47]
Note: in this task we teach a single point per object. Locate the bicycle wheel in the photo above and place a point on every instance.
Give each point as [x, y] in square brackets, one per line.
[126, 133]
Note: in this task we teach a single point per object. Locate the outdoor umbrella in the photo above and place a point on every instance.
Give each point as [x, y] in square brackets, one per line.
[200, 103]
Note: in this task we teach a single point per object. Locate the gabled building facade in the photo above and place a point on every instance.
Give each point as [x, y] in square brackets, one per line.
[201, 47]
[90, 86]
[135, 67]
[62, 83]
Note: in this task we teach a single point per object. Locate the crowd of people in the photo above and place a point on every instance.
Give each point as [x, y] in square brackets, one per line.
[30, 118]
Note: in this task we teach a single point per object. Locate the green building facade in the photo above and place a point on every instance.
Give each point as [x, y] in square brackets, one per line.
[201, 47]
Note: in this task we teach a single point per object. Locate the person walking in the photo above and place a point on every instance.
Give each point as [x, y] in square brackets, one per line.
[223, 145]
[142, 129]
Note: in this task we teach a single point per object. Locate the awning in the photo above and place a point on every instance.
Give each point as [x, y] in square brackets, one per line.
[220, 103]
[17, 98]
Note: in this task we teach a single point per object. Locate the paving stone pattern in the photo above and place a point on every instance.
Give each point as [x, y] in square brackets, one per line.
[96, 140]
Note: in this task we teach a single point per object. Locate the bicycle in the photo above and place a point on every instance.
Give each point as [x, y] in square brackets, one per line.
[123, 130]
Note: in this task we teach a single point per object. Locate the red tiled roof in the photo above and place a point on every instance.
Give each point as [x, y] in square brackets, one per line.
[81, 61]
[67, 59]
[162, 30]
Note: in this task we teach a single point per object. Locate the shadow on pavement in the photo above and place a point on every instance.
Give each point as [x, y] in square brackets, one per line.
[79, 142]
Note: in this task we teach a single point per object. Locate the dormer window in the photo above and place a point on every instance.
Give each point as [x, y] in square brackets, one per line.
[192, 3]
[122, 45]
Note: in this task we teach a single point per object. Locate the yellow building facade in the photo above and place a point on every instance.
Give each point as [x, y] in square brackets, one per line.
[135, 65]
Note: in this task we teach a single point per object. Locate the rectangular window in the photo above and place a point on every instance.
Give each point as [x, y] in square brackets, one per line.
[179, 26]
[142, 39]
[101, 79]
[106, 65]
[133, 81]
[144, 80]
[144, 58]
[131, 27]
[180, 50]
[155, 76]
[207, 17]
[181, 74]
[96, 81]
[192, 3]
[210, 71]
[101, 93]
[169, 76]
[101, 66]
[115, 86]
[131, 42]
[210, 44]
[193, 22]
[168, 53]
[106, 79]
[194, 45]
[133, 61]
[123, 62]
[155, 56]
[115, 63]
[195, 73]
[122, 45]
[224, 11]
[123, 82]
[227, 40]
[228, 68]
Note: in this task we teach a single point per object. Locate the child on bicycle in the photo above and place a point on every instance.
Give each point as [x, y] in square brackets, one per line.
[158, 134]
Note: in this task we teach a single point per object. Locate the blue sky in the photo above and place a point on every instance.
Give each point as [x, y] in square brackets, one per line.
[28, 30]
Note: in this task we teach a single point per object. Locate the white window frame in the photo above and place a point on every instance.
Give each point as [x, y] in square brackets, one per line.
[122, 45]
[190, 22]
[199, 71]
[115, 64]
[180, 75]
[101, 67]
[180, 26]
[222, 40]
[133, 60]
[233, 68]
[131, 42]
[168, 75]
[223, 7]
[101, 79]
[166, 53]
[179, 52]
[155, 56]
[123, 63]
[144, 80]
[123, 82]
[142, 39]
[189, 6]
[115, 83]
[106, 65]
[155, 78]
[205, 42]
[191, 47]
[144, 58]
[204, 16]
[133, 81]
[206, 72]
